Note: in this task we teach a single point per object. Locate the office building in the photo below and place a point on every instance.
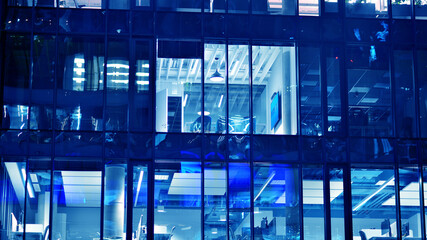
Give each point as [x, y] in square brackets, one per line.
[213, 119]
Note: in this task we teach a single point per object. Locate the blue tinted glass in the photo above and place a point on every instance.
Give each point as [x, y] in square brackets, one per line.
[275, 148]
[313, 202]
[78, 144]
[336, 194]
[177, 189]
[239, 175]
[238, 147]
[373, 202]
[409, 187]
[422, 81]
[140, 197]
[171, 146]
[371, 150]
[276, 201]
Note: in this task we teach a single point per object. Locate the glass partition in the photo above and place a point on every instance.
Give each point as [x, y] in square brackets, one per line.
[313, 204]
[373, 202]
[238, 89]
[178, 87]
[80, 84]
[82, 3]
[409, 187]
[115, 192]
[309, 7]
[276, 202]
[177, 200]
[239, 202]
[336, 195]
[215, 99]
[140, 197]
[278, 7]
[369, 94]
[76, 209]
[274, 90]
[422, 90]
[215, 215]
[333, 88]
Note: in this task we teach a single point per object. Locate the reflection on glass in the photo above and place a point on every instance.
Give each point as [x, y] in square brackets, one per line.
[238, 6]
[336, 194]
[401, 8]
[275, 7]
[369, 92]
[142, 3]
[76, 206]
[20, 3]
[178, 88]
[238, 89]
[373, 203]
[119, 4]
[215, 88]
[424, 172]
[38, 199]
[308, 7]
[276, 202]
[177, 200]
[80, 84]
[179, 5]
[239, 201]
[333, 89]
[312, 193]
[14, 175]
[404, 84]
[215, 219]
[422, 82]
[311, 112]
[409, 187]
[114, 200]
[331, 6]
[43, 82]
[274, 90]
[420, 9]
[140, 100]
[16, 82]
[81, 3]
[117, 86]
[140, 197]
[367, 8]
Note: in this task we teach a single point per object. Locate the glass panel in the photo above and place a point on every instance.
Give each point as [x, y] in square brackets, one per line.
[117, 86]
[114, 200]
[78, 20]
[422, 82]
[311, 149]
[331, 6]
[282, 148]
[314, 222]
[142, 3]
[183, 146]
[140, 97]
[45, 3]
[80, 84]
[119, 4]
[177, 194]
[179, 5]
[45, 20]
[214, 6]
[18, 19]
[369, 96]
[425, 191]
[420, 9]
[238, 89]
[373, 203]
[279, 7]
[274, 90]
[409, 187]
[311, 112]
[20, 3]
[401, 8]
[118, 22]
[335, 149]
[82, 3]
[78, 144]
[371, 150]
[43, 82]
[404, 84]
[215, 147]
[333, 88]
[336, 194]
[76, 210]
[215, 219]
[239, 147]
[367, 8]
[276, 202]
[178, 87]
[239, 175]
[238, 6]
[16, 82]
[140, 197]
[13, 175]
[215, 89]
[38, 199]
[308, 7]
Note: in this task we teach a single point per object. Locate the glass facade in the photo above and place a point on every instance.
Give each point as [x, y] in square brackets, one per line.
[213, 119]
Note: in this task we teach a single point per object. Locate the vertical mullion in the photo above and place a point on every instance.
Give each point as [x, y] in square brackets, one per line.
[397, 200]
[301, 200]
[251, 128]
[348, 222]
[129, 201]
[421, 182]
[327, 202]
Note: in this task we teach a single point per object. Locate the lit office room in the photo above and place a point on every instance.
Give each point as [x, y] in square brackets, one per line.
[179, 88]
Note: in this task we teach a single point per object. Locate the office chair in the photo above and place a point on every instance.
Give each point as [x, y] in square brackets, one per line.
[362, 235]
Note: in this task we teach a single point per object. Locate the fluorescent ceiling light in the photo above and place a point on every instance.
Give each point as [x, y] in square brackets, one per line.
[369, 197]
[220, 100]
[138, 188]
[206, 113]
[360, 89]
[33, 177]
[185, 100]
[369, 100]
[161, 177]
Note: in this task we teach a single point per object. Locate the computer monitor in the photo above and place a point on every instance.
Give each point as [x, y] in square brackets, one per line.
[385, 227]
